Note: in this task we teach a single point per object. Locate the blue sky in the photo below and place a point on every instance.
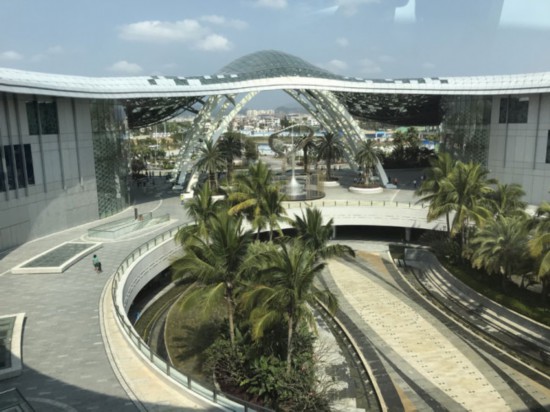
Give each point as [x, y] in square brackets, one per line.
[366, 38]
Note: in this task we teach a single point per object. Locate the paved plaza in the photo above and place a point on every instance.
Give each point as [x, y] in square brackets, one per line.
[76, 359]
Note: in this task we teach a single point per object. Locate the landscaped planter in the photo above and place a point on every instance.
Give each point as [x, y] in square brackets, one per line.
[366, 190]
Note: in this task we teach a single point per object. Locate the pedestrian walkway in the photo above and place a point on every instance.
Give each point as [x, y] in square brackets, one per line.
[430, 366]
[66, 363]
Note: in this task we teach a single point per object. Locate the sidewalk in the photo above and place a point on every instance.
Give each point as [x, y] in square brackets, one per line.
[65, 363]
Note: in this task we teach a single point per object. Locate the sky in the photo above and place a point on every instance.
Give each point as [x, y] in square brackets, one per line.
[359, 38]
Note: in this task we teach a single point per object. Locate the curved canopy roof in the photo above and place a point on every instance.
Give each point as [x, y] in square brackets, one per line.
[151, 99]
[264, 70]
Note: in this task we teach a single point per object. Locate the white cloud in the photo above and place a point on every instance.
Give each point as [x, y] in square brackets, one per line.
[222, 21]
[123, 66]
[428, 65]
[154, 31]
[214, 42]
[336, 65]
[188, 31]
[342, 42]
[271, 4]
[10, 55]
[368, 67]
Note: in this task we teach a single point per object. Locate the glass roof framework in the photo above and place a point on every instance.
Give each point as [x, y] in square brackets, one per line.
[146, 112]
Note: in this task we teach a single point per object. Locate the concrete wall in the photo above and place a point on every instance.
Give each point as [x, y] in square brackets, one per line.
[517, 152]
[64, 194]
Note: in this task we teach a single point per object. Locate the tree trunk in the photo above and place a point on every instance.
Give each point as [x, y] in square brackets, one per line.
[306, 160]
[289, 344]
[231, 321]
[229, 171]
[545, 288]
[212, 179]
[448, 224]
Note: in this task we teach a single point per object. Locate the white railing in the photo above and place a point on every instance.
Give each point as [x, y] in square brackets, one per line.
[120, 280]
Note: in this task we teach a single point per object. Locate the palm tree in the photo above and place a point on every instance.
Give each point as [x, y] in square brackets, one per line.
[285, 291]
[307, 147]
[252, 195]
[465, 192]
[367, 157]
[210, 160]
[539, 246]
[506, 199]
[231, 147]
[315, 235]
[431, 191]
[217, 265]
[329, 148]
[500, 247]
[201, 208]
[272, 210]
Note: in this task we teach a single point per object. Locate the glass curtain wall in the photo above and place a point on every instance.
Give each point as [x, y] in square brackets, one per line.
[110, 156]
[466, 124]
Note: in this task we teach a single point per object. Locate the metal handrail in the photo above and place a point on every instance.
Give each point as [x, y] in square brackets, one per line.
[212, 394]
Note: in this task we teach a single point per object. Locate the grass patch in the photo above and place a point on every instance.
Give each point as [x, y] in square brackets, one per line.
[147, 319]
[523, 301]
[189, 333]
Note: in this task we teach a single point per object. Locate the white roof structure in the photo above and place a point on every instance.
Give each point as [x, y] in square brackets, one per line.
[264, 70]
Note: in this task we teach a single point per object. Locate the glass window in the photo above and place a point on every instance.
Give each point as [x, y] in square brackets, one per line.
[10, 166]
[43, 120]
[32, 118]
[513, 110]
[48, 117]
[29, 164]
[2, 173]
[16, 165]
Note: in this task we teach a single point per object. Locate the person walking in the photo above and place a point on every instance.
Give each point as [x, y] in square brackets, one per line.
[97, 264]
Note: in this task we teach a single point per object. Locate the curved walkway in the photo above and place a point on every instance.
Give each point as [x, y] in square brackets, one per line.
[69, 336]
[431, 366]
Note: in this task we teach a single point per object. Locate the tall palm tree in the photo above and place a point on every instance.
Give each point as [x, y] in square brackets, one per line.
[217, 265]
[430, 189]
[469, 189]
[329, 148]
[465, 192]
[500, 247]
[539, 246]
[272, 210]
[506, 200]
[210, 160]
[201, 208]
[252, 193]
[285, 291]
[308, 146]
[231, 147]
[315, 235]
[367, 156]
